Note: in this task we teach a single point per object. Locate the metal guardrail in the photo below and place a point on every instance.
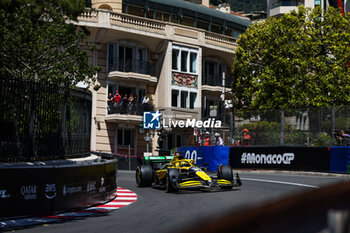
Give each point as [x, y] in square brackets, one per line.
[306, 212]
[55, 186]
[124, 162]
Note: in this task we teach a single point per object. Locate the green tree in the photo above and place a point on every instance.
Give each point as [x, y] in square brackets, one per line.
[299, 60]
[37, 43]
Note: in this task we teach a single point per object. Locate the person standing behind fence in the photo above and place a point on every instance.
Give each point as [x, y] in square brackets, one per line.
[343, 138]
[207, 139]
[246, 139]
[218, 140]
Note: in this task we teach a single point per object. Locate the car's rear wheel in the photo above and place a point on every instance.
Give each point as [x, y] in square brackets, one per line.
[144, 176]
[171, 180]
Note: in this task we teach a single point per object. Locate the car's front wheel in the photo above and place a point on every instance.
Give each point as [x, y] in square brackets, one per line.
[225, 172]
[171, 180]
[144, 176]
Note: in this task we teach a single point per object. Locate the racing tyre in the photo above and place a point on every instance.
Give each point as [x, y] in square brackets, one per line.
[225, 172]
[171, 181]
[144, 176]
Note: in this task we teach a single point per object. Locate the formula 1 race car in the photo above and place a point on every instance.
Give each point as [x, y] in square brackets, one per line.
[176, 173]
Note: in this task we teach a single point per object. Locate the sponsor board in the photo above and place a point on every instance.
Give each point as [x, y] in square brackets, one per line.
[71, 190]
[50, 191]
[252, 158]
[281, 157]
[4, 194]
[29, 192]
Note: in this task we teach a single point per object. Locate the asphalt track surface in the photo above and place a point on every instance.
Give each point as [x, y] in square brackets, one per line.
[158, 212]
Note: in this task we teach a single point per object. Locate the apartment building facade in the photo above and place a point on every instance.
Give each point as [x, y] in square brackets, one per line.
[175, 54]
[276, 8]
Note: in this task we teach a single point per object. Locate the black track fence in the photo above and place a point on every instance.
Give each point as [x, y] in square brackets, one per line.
[295, 127]
[43, 121]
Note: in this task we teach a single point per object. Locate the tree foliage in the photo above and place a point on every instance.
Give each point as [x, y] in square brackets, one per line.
[299, 60]
[36, 42]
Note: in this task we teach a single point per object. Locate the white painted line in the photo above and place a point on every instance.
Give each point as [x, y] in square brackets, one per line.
[281, 182]
[127, 194]
[126, 198]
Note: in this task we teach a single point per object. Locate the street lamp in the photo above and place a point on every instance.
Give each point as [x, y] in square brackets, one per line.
[147, 139]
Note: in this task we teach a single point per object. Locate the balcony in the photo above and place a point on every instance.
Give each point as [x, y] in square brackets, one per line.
[282, 7]
[126, 112]
[134, 66]
[132, 69]
[287, 3]
[216, 80]
[154, 28]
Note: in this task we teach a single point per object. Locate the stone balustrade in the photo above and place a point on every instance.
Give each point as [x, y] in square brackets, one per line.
[108, 18]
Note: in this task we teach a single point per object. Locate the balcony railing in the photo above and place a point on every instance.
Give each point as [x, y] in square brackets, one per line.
[135, 66]
[129, 108]
[216, 80]
[287, 3]
[159, 28]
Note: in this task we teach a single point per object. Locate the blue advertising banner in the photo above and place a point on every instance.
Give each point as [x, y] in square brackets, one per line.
[212, 155]
[340, 159]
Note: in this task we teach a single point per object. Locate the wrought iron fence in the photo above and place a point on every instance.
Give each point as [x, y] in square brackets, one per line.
[43, 121]
[130, 108]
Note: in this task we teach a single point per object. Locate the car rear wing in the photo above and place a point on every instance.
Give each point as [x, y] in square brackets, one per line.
[157, 159]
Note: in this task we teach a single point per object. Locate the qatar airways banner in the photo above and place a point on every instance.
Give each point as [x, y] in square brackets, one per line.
[280, 157]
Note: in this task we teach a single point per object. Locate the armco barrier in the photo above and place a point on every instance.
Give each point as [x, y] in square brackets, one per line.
[33, 189]
[319, 159]
[281, 158]
[124, 162]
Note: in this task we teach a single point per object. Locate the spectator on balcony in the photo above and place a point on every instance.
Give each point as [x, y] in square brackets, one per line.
[131, 102]
[124, 104]
[218, 140]
[343, 138]
[116, 98]
[110, 102]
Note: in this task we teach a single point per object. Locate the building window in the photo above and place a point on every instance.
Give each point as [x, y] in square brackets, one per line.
[184, 59]
[184, 96]
[174, 98]
[127, 57]
[193, 97]
[175, 58]
[125, 137]
[193, 62]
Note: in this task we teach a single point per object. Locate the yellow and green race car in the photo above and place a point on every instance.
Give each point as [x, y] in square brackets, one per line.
[176, 173]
